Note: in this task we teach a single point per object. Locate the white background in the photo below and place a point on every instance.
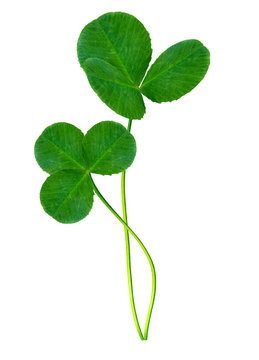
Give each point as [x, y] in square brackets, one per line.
[193, 194]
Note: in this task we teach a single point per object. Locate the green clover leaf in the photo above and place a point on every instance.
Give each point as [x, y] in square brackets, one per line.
[69, 157]
[115, 50]
[67, 195]
[109, 148]
[59, 147]
[176, 71]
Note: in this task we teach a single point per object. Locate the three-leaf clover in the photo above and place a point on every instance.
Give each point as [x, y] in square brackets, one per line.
[69, 157]
[115, 50]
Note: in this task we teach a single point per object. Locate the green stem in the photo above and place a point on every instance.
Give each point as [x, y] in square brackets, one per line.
[131, 296]
[127, 242]
[145, 251]
[153, 292]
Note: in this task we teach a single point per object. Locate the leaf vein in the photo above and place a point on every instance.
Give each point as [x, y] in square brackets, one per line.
[116, 52]
[114, 82]
[107, 150]
[58, 147]
[170, 67]
[70, 192]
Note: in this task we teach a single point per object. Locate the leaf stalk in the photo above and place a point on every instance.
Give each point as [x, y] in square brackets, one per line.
[152, 267]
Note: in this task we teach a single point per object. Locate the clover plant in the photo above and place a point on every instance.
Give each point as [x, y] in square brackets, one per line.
[114, 51]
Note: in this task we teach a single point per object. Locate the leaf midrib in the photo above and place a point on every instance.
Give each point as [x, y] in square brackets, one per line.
[170, 67]
[116, 52]
[70, 192]
[114, 82]
[58, 147]
[107, 150]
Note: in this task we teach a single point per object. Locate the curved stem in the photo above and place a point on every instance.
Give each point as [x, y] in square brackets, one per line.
[127, 243]
[124, 209]
[143, 248]
[129, 274]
